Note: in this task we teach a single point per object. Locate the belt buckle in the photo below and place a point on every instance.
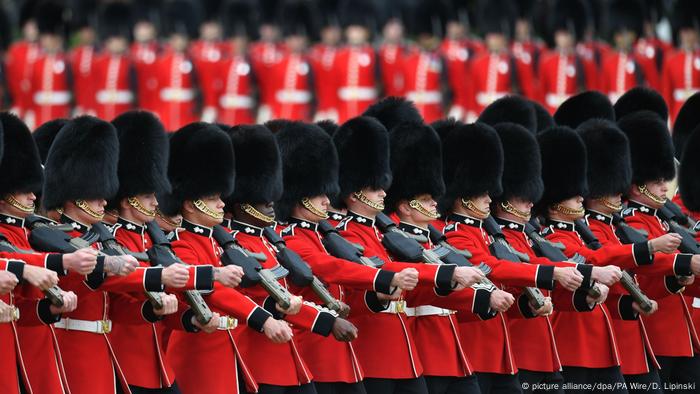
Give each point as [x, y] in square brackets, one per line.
[400, 306]
[104, 327]
[15, 313]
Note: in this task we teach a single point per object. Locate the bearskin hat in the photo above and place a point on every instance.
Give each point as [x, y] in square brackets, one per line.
[258, 165]
[309, 165]
[472, 158]
[626, 15]
[522, 166]
[430, 17]
[182, 17]
[143, 154]
[583, 106]
[82, 163]
[201, 164]
[21, 164]
[358, 13]
[514, 109]
[416, 163]
[239, 19]
[45, 134]
[51, 17]
[328, 126]
[686, 15]
[544, 118]
[609, 160]
[115, 20]
[688, 117]
[496, 16]
[363, 154]
[571, 15]
[689, 172]
[275, 125]
[563, 166]
[641, 98]
[299, 18]
[650, 146]
[444, 127]
[391, 111]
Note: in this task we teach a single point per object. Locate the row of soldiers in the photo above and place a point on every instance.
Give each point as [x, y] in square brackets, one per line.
[224, 77]
[421, 256]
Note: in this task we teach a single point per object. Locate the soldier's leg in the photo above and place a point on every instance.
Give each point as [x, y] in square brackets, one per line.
[464, 385]
[485, 381]
[546, 382]
[379, 386]
[438, 384]
[611, 379]
[339, 388]
[576, 378]
[644, 383]
[411, 386]
[506, 384]
[308, 388]
[554, 382]
[685, 376]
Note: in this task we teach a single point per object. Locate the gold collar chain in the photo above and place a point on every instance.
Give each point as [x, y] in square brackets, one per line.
[306, 203]
[136, 204]
[199, 204]
[573, 212]
[83, 205]
[470, 206]
[609, 205]
[10, 199]
[643, 189]
[508, 207]
[419, 207]
[363, 199]
[250, 210]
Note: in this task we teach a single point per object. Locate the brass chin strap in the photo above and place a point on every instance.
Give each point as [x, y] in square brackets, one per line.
[569, 211]
[508, 207]
[250, 210]
[659, 200]
[86, 208]
[363, 199]
[166, 219]
[306, 203]
[418, 207]
[609, 205]
[470, 206]
[199, 204]
[10, 199]
[136, 204]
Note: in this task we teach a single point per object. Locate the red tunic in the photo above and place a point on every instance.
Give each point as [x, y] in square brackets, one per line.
[291, 88]
[207, 57]
[423, 72]
[680, 79]
[457, 56]
[621, 72]
[176, 90]
[18, 73]
[144, 56]
[234, 100]
[263, 56]
[82, 60]
[50, 92]
[112, 86]
[562, 76]
[323, 61]
[393, 73]
[355, 76]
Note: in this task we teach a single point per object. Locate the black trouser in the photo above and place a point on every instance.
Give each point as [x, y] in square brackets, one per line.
[272, 389]
[452, 385]
[679, 374]
[644, 383]
[608, 380]
[541, 382]
[167, 390]
[340, 388]
[397, 386]
[496, 383]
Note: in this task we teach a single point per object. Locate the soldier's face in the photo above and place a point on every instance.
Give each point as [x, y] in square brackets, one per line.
[144, 32]
[170, 224]
[142, 210]
[356, 35]
[483, 205]
[416, 216]
[26, 200]
[563, 39]
[321, 203]
[213, 204]
[95, 206]
[519, 204]
[658, 188]
[574, 203]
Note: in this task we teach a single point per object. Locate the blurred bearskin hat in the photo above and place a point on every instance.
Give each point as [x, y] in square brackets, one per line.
[687, 119]
[182, 17]
[626, 15]
[514, 109]
[496, 16]
[115, 20]
[574, 16]
[299, 17]
[689, 172]
[429, 18]
[51, 17]
[583, 106]
[358, 13]
[45, 134]
[609, 159]
[641, 98]
[563, 166]
[21, 164]
[650, 146]
[392, 111]
[522, 166]
[239, 19]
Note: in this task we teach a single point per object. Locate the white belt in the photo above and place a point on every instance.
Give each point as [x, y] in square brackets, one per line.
[425, 97]
[177, 94]
[429, 310]
[235, 101]
[227, 323]
[486, 98]
[554, 100]
[397, 307]
[114, 96]
[96, 327]
[683, 94]
[350, 93]
[696, 302]
[293, 96]
[52, 97]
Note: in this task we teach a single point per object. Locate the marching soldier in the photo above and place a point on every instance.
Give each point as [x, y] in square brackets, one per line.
[525, 47]
[208, 52]
[265, 53]
[323, 61]
[82, 56]
[391, 52]
[144, 52]
[19, 59]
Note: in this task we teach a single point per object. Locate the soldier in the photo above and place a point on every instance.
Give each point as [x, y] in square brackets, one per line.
[208, 51]
[525, 47]
[392, 50]
[144, 52]
[113, 73]
[198, 149]
[265, 53]
[563, 72]
[649, 45]
[323, 61]
[82, 56]
[19, 58]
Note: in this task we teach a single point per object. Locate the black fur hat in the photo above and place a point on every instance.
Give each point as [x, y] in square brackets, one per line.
[444, 127]
[392, 111]
[182, 17]
[416, 163]
[115, 20]
[82, 163]
[239, 18]
[51, 17]
[514, 109]
[496, 16]
[686, 15]
[641, 98]
[299, 18]
[258, 165]
[689, 172]
[45, 134]
[201, 164]
[275, 125]
[609, 160]
[429, 18]
[571, 15]
[472, 158]
[143, 154]
[21, 165]
[563, 166]
[363, 154]
[522, 166]
[626, 15]
[544, 118]
[650, 146]
[687, 119]
[329, 126]
[358, 13]
[310, 165]
[583, 106]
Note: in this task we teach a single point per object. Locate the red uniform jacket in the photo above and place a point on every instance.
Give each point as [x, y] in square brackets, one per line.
[457, 56]
[355, 76]
[207, 58]
[620, 72]
[680, 79]
[18, 73]
[177, 92]
[82, 60]
[144, 56]
[528, 52]
[323, 61]
[489, 345]
[671, 329]
[234, 100]
[393, 73]
[51, 91]
[210, 362]
[423, 80]
[290, 367]
[562, 76]
[113, 83]
[9, 359]
[291, 88]
[263, 56]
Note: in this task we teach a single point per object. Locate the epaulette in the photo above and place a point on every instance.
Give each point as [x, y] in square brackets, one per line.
[450, 228]
[343, 224]
[289, 231]
[115, 228]
[175, 234]
[627, 212]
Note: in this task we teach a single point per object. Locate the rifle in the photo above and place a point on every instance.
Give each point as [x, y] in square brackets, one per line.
[688, 242]
[161, 253]
[626, 233]
[110, 246]
[456, 256]
[253, 272]
[405, 247]
[679, 216]
[299, 271]
[626, 280]
[339, 247]
[502, 250]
